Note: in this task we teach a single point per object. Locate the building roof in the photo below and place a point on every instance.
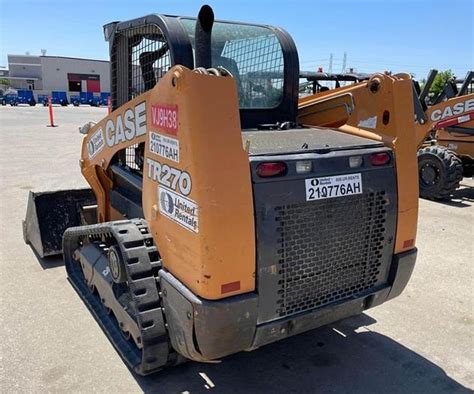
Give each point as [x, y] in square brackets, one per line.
[20, 78]
[76, 58]
[61, 57]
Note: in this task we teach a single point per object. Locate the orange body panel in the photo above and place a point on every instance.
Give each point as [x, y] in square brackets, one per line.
[221, 260]
[111, 135]
[456, 107]
[382, 110]
[202, 221]
[460, 143]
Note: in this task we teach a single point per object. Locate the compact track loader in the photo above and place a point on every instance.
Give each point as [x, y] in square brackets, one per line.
[222, 224]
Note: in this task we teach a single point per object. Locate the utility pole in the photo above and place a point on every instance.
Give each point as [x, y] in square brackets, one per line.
[344, 61]
[330, 62]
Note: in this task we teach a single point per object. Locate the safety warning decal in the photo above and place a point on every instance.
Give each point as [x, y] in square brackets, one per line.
[96, 143]
[179, 209]
[164, 146]
[165, 117]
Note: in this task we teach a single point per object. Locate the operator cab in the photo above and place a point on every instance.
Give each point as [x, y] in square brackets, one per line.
[262, 59]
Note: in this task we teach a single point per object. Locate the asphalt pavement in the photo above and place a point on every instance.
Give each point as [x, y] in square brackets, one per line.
[421, 342]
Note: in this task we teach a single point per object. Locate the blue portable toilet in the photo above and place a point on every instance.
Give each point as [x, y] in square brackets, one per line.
[25, 97]
[86, 98]
[12, 99]
[104, 98]
[43, 99]
[75, 100]
[96, 101]
[59, 97]
[9, 98]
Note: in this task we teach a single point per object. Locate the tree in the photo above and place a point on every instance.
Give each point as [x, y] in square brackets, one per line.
[439, 82]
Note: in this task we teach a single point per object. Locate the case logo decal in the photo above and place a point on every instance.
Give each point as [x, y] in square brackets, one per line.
[126, 128]
[456, 109]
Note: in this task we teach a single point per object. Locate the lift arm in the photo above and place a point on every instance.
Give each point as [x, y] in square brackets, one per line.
[381, 109]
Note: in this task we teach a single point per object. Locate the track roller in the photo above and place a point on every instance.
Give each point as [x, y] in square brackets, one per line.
[116, 264]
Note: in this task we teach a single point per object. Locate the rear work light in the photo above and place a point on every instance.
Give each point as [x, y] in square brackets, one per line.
[265, 170]
[303, 166]
[355, 161]
[380, 159]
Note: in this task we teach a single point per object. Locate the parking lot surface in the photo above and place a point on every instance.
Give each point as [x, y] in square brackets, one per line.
[420, 342]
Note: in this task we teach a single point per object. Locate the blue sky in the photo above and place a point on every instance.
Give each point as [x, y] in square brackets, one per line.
[398, 35]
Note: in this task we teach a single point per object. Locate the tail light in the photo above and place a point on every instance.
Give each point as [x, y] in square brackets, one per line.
[265, 170]
[380, 159]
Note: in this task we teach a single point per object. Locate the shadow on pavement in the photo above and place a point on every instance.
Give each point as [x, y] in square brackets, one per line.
[461, 198]
[48, 262]
[342, 358]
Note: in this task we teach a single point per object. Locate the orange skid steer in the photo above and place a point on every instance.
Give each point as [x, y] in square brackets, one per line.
[223, 224]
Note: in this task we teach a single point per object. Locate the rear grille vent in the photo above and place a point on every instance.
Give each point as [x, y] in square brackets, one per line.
[329, 250]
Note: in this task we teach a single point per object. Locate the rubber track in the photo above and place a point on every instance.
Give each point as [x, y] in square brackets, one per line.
[136, 245]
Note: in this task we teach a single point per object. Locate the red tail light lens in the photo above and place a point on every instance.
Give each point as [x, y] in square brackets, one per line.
[266, 170]
[380, 159]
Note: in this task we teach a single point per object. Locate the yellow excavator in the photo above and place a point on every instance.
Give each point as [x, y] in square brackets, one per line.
[214, 222]
[444, 129]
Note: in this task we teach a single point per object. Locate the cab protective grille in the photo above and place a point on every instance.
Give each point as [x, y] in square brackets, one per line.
[329, 250]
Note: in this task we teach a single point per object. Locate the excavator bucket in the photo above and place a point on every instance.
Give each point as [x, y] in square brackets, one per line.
[49, 214]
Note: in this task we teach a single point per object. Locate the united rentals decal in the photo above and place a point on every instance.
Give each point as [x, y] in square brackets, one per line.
[179, 209]
[96, 143]
[120, 129]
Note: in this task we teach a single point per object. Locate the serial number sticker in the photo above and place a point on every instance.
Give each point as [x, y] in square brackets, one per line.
[164, 146]
[333, 186]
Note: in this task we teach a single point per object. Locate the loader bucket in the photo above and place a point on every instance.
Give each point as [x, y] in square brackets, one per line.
[49, 214]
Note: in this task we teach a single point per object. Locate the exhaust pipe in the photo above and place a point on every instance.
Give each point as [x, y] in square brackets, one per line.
[202, 37]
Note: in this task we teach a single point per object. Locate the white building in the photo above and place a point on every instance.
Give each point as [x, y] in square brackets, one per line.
[44, 74]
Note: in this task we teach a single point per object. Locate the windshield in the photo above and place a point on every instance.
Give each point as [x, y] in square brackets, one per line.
[253, 55]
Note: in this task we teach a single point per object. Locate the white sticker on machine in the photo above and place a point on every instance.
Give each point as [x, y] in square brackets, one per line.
[96, 143]
[369, 123]
[164, 146]
[179, 209]
[333, 186]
